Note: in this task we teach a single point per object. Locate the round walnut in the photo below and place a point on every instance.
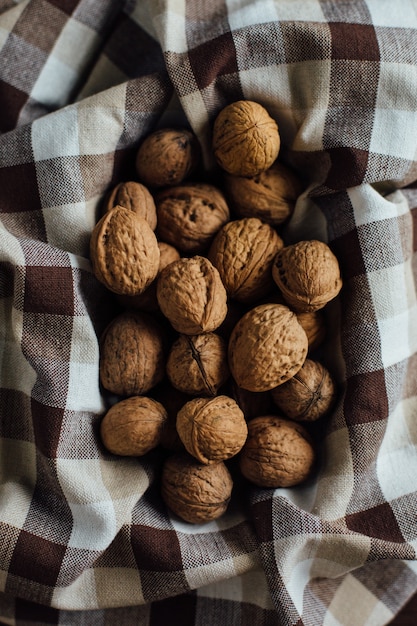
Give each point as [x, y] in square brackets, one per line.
[314, 325]
[190, 215]
[133, 426]
[136, 197]
[124, 252]
[132, 354]
[196, 493]
[191, 295]
[277, 453]
[212, 429]
[197, 364]
[266, 347]
[147, 300]
[245, 139]
[167, 157]
[270, 196]
[308, 275]
[308, 395]
[243, 252]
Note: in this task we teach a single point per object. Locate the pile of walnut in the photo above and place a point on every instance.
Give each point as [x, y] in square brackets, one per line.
[211, 356]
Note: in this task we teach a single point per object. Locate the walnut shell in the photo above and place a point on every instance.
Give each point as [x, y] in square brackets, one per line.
[124, 252]
[314, 325]
[308, 395]
[133, 426]
[195, 492]
[167, 157]
[308, 275]
[147, 300]
[132, 354]
[267, 347]
[197, 364]
[277, 453]
[136, 197]
[212, 429]
[190, 215]
[191, 295]
[270, 196]
[245, 139]
[243, 251]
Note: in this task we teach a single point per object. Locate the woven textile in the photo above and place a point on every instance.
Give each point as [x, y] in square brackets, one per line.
[85, 536]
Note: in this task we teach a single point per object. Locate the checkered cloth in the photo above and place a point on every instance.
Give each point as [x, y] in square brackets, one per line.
[85, 537]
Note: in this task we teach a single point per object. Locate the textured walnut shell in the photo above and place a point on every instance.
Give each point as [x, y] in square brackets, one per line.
[147, 300]
[197, 364]
[195, 492]
[212, 429]
[167, 157]
[270, 196]
[245, 139]
[267, 347]
[307, 274]
[314, 325]
[243, 251]
[132, 354]
[190, 215]
[277, 453]
[133, 426]
[308, 395]
[124, 252]
[191, 295]
[136, 197]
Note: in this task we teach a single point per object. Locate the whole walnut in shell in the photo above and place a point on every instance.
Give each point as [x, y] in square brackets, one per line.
[167, 157]
[132, 354]
[191, 295]
[147, 300]
[189, 215]
[277, 453]
[133, 426]
[308, 395]
[243, 252]
[195, 492]
[270, 196]
[266, 347]
[212, 429]
[136, 197]
[197, 364]
[124, 252]
[314, 325]
[245, 138]
[308, 274]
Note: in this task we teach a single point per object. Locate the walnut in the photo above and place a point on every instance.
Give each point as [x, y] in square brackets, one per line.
[243, 251]
[190, 215]
[314, 325]
[124, 252]
[132, 354]
[308, 395]
[212, 429]
[197, 364]
[133, 426]
[147, 300]
[267, 347]
[245, 139]
[195, 492]
[270, 196]
[191, 295]
[136, 197]
[277, 453]
[167, 157]
[308, 275]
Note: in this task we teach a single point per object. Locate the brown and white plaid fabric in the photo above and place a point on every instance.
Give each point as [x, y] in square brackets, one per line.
[84, 536]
